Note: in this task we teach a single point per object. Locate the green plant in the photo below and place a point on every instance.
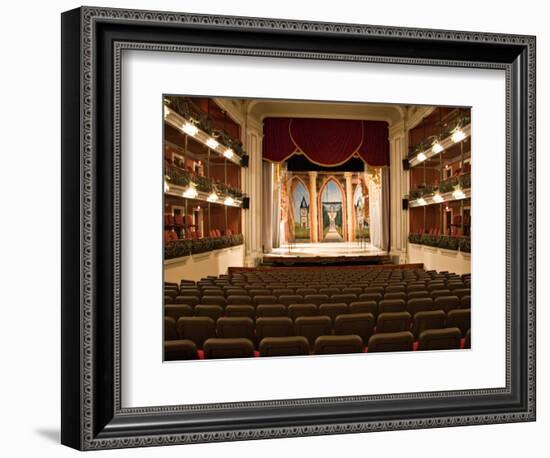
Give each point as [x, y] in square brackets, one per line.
[464, 244]
[465, 180]
[203, 184]
[447, 185]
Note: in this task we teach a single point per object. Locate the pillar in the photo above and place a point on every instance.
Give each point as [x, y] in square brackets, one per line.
[252, 184]
[399, 218]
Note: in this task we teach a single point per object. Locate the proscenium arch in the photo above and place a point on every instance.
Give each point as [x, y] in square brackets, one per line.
[320, 207]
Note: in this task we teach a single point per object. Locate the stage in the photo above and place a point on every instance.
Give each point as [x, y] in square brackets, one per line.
[328, 253]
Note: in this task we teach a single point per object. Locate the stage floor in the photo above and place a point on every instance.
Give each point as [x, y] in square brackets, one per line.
[327, 250]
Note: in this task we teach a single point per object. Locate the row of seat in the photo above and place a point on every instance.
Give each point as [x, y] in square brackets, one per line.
[318, 299]
[329, 275]
[302, 291]
[331, 279]
[200, 328]
[318, 284]
[413, 306]
[215, 348]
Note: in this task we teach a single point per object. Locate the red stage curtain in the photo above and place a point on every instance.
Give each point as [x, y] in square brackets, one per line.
[277, 143]
[327, 142]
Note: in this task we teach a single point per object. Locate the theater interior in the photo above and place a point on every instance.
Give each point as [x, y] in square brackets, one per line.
[296, 228]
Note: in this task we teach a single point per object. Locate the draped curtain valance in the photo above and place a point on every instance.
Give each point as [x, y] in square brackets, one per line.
[326, 142]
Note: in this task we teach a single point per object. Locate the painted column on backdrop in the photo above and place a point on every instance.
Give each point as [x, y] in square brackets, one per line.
[349, 206]
[314, 231]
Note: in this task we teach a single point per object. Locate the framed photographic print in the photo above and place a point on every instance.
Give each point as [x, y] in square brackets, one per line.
[276, 228]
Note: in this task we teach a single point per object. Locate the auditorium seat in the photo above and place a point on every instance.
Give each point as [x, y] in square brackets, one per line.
[265, 299]
[352, 290]
[343, 298]
[412, 288]
[393, 322]
[316, 299]
[391, 305]
[211, 311]
[282, 292]
[422, 304]
[440, 339]
[460, 292]
[333, 310]
[230, 328]
[374, 289]
[177, 310]
[239, 299]
[196, 328]
[284, 346]
[446, 303]
[312, 327]
[177, 350]
[440, 293]
[435, 286]
[297, 310]
[364, 307]
[170, 330]
[465, 302]
[171, 293]
[214, 300]
[273, 286]
[400, 295]
[361, 324]
[288, 299]
[186, 300]
[455, 285]
[459, 318]
[377, 297]
[333, 345]
[392, 341]
[468, 339]
[271, 310]
[395, 289]
[274, 327]
[232, 291]
[228, 348]
[212, 291]
[328, 291]
[294, 285]
[305, 291]
[418, 294]
[247, 311]
[428, 320]
[259, 292]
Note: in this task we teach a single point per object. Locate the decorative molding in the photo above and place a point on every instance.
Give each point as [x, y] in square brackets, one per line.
[418, 115]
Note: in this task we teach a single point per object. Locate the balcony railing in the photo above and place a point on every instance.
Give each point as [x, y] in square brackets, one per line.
[187, 247]
[447, 242]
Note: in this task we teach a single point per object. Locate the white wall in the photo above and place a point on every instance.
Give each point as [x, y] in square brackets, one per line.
[439, 259]
[201, 265]
[30, 253]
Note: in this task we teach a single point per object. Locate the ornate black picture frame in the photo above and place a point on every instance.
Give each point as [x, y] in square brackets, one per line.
[92, 42]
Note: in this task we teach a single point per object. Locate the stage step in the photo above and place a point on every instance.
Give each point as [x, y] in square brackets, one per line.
[309, 261]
